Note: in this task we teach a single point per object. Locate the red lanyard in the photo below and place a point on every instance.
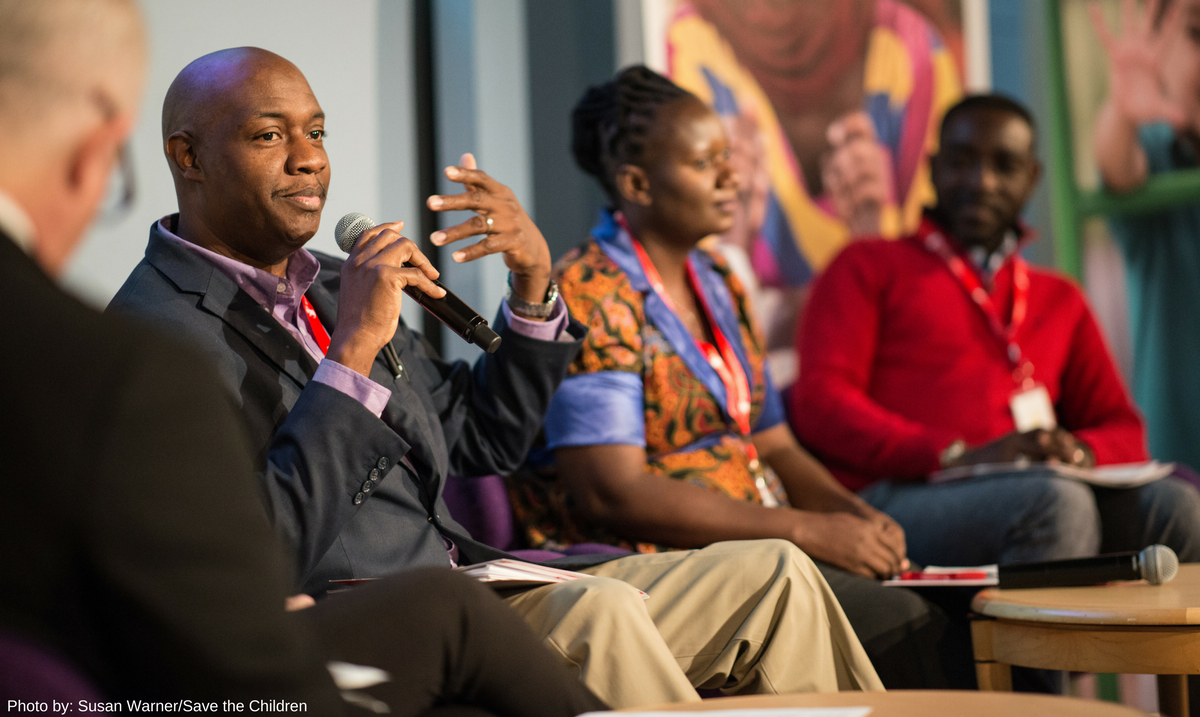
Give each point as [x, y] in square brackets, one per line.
[721, 357]
[318, 331]
[1022, 367]
[725, 362]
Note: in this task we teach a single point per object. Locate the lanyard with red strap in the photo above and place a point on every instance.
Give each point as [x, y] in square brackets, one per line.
[1022, 367]
[318, 330]
[721, 357]
[321, 336]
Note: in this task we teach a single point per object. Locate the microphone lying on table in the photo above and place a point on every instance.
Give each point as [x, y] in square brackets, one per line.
[1157, 564]
[450, 310]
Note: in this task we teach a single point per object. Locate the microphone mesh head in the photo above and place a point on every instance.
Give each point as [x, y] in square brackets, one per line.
[350, 228]
[1159, 564]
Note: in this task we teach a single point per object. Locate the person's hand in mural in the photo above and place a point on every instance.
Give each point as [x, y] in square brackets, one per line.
[1136, 81]
[856, 173]
[1142, 74]
[778, 306]
[748, 158]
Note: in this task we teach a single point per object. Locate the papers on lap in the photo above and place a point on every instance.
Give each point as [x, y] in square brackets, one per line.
[1124, 475]
[506, 574]
[503, 574]
[935, 576]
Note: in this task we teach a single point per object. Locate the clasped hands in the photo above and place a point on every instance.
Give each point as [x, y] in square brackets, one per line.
[865, 541]
[384, 262]
[854, 537]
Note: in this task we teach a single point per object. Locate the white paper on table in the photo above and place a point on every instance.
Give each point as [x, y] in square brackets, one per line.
[767, 712]
[1122, 475]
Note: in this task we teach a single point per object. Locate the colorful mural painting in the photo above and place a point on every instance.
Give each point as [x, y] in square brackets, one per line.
[833, 107]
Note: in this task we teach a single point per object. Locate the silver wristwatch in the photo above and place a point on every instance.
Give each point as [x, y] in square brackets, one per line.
[531, 310]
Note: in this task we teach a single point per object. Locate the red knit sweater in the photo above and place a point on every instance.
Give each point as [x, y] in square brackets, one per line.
[896, 363]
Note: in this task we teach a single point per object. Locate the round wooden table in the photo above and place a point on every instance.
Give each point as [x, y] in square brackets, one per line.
[1123, 627]
[919, 703]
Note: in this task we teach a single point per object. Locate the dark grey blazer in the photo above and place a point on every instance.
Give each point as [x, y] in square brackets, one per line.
[333, 478]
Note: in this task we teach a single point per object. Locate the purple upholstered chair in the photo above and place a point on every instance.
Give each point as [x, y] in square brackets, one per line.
[481, 506]
[32, 673]
[1188, 474]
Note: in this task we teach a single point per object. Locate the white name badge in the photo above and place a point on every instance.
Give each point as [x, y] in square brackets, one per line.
[1032, 409]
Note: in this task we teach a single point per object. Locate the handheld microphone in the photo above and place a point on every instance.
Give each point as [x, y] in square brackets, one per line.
[1157, 564]
[452, 311]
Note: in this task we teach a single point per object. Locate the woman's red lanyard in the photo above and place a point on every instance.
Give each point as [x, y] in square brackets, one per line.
[721, 357]
[1022, 367]
[318, 330]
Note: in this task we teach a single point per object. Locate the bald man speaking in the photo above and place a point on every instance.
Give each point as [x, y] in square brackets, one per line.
[360, 450]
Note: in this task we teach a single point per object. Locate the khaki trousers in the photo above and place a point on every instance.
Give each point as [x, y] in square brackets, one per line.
[743, 616]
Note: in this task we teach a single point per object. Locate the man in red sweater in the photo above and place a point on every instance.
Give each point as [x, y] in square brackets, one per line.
[947, 349]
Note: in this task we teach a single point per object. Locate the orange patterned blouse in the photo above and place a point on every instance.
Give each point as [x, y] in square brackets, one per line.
[642, 380]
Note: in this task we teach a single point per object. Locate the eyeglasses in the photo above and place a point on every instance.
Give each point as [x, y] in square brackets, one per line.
[122, 189]
[121, 185]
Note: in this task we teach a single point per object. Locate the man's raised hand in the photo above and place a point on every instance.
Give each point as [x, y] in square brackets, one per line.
[856, 172]
[1135, 59]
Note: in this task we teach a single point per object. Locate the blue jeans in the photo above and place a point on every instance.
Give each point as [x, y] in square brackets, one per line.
[1034, 515]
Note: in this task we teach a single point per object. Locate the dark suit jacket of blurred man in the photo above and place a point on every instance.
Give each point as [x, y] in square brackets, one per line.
[474, 421]
[108, 484]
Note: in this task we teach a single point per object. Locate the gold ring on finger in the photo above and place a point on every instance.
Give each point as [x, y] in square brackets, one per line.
[490, 222]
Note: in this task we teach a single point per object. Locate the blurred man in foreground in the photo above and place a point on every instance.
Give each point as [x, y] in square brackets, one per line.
[134, 546]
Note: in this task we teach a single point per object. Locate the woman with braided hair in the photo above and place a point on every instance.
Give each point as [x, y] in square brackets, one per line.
[667, 432]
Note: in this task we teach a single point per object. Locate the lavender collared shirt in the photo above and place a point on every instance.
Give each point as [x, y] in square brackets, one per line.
[281, 298]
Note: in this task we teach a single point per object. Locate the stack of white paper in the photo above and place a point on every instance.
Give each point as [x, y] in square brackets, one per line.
[1124, 475]
[508, 574]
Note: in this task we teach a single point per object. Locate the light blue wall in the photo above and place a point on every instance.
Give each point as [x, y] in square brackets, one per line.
[397, 133]
[1018, 40]
[481, 89]
[570, 48]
